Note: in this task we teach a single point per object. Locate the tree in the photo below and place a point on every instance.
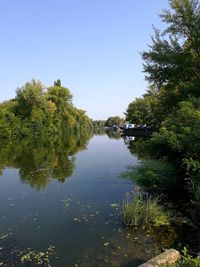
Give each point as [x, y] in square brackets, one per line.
[172, 101]
[143, 111]
[173, 60]
[172, 64]
[116, 120]
[57, 83]
[35, 111]
[61, 96]
[28, 97]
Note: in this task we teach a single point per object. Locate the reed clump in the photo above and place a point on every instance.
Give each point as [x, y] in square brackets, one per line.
[139, 208]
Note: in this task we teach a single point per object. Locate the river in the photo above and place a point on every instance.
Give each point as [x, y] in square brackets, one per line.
[68, 195]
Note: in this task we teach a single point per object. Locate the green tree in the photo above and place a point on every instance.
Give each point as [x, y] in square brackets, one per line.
[61, 96]
[36, 111]
[172, 63]
[115, 120]
[143, 110]
[28, 97]
[172, 68]
[57, 83]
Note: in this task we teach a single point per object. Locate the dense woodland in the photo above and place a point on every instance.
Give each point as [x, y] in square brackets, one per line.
[172, 101]
[37, 110]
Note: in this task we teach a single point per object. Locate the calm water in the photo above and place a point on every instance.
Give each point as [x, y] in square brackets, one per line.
[66, 194]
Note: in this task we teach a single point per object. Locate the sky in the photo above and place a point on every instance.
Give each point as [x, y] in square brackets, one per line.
[92, 46]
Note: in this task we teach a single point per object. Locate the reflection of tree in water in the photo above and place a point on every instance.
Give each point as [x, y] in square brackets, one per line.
[113, 134]
[39, 161]
[99, 131]
[138, 148]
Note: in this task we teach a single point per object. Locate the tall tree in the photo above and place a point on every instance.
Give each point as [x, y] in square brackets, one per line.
[28, 97]
[173, 60]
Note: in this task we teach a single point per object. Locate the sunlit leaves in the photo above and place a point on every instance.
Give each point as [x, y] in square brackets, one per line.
[37, 110]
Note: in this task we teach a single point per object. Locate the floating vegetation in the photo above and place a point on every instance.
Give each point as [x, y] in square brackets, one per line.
[118, 251]
[114, 205]
[84, 218]
[37, 258]
[86, 211]
[13, 254]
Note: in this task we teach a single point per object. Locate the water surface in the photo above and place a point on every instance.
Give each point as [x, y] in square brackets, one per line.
[67, 194]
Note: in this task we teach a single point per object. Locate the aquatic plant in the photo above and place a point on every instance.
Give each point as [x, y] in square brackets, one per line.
[37, 258]
[139, 208]
[12, 254]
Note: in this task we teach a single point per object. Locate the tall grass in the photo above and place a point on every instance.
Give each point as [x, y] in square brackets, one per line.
[140, 209]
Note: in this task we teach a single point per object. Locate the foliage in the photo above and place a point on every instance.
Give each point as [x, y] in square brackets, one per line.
[37, 110]
[143, 110]
[172, 102]
[141, 209]
[116, 120]
[180, 139]
[172, 63]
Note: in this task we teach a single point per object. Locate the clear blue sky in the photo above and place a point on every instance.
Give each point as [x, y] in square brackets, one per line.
[91, 45]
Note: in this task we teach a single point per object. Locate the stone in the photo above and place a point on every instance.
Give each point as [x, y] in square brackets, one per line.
[170, 256]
